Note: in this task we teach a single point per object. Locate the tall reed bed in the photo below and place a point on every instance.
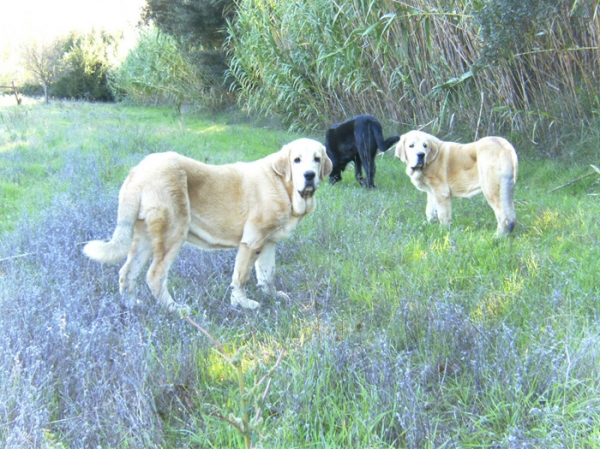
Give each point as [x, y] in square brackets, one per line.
[528, 67]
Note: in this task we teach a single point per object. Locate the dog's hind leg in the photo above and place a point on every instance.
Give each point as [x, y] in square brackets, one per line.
[499, 196]
[369, 164]
[367, 147]
[358, 170]
[167, 228]
[373, 139]
[139, 254]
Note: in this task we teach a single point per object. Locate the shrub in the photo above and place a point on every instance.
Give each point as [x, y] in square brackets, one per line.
[156, 71]
[87, 59]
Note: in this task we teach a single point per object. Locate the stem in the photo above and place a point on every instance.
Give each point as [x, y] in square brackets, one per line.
[215, 342]
[244, 413]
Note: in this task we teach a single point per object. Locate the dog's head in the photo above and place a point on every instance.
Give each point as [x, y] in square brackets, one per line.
[305, 164]
[416, 149]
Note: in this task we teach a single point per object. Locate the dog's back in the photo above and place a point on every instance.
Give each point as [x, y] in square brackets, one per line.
[356, 140]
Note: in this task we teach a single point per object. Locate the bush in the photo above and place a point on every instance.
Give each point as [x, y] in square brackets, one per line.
[156, 71]
[87, 58]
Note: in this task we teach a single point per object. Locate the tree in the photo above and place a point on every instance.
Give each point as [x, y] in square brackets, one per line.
[199, 27]
[155, 70]
[45, 62]
[87, 60]
[196, 23]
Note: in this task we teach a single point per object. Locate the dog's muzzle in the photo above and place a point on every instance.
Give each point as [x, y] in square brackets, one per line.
[420, 162]
[309, 184]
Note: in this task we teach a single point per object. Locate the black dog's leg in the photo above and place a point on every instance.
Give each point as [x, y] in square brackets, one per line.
[335, 177]
[358, 170]
[364, 142]
[336, 173]
[370, 170]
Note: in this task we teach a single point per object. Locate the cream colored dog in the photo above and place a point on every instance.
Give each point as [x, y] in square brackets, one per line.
[169, 199]
[448, 170]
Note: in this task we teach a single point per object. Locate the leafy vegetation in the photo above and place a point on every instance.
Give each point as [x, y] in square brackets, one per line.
[155, 71]
[398, 334]
[75, 66]
[455, 66]
[87, 58]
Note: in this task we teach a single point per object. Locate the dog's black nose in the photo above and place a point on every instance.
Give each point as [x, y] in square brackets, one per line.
[420, 156]
[309, 175]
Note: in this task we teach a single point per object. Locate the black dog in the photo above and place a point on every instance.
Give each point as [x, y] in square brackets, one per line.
[356, 140]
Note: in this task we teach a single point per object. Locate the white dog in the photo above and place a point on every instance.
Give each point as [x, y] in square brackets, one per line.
[447, 170]
[169, 199]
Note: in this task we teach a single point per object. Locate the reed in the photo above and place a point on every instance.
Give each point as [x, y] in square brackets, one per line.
[421, 63]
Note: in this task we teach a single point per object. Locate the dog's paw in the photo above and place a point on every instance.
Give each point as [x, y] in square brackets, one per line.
[268, 288]
[245, 303]
[238, 298]
[283, 295]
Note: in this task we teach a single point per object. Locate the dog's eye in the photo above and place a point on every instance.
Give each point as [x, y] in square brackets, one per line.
[317, 160]
[412, 145]
[297, 160]
[424, 145]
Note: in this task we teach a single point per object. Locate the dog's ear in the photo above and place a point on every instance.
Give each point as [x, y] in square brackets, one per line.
[434, 148]
[326, 164]
[281, 163]
[400, 150]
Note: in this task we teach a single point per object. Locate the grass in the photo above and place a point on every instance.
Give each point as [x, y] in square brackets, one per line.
[398, 334]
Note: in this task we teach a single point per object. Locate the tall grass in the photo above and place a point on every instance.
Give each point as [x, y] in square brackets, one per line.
[157, 71]
[398, 334]
[422, 63]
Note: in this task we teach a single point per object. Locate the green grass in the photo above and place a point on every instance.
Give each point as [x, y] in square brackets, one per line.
[398, 334]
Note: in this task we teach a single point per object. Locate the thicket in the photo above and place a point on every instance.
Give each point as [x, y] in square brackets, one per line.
[75, 66]
[155, 71]
[524, 66]
[198, 28]
[88, 58]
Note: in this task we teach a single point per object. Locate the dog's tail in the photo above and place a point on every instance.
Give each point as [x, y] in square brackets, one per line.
[377, 133]
[507, 188]
[387, 143]
[117, 248]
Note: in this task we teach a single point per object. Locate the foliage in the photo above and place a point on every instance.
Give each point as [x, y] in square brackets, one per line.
[88, 59]
[45, 63]
[198, 23]
[398, 334]
[198, 27]
[156, 71]
[75, 66]
[453, 65]
[509, 26]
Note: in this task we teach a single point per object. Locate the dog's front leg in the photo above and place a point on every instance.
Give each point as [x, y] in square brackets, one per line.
[265, 271]
[241, 273]
[431, 210]
[444, 208]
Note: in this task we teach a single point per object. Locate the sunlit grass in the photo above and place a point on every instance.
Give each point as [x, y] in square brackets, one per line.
[398, 333]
